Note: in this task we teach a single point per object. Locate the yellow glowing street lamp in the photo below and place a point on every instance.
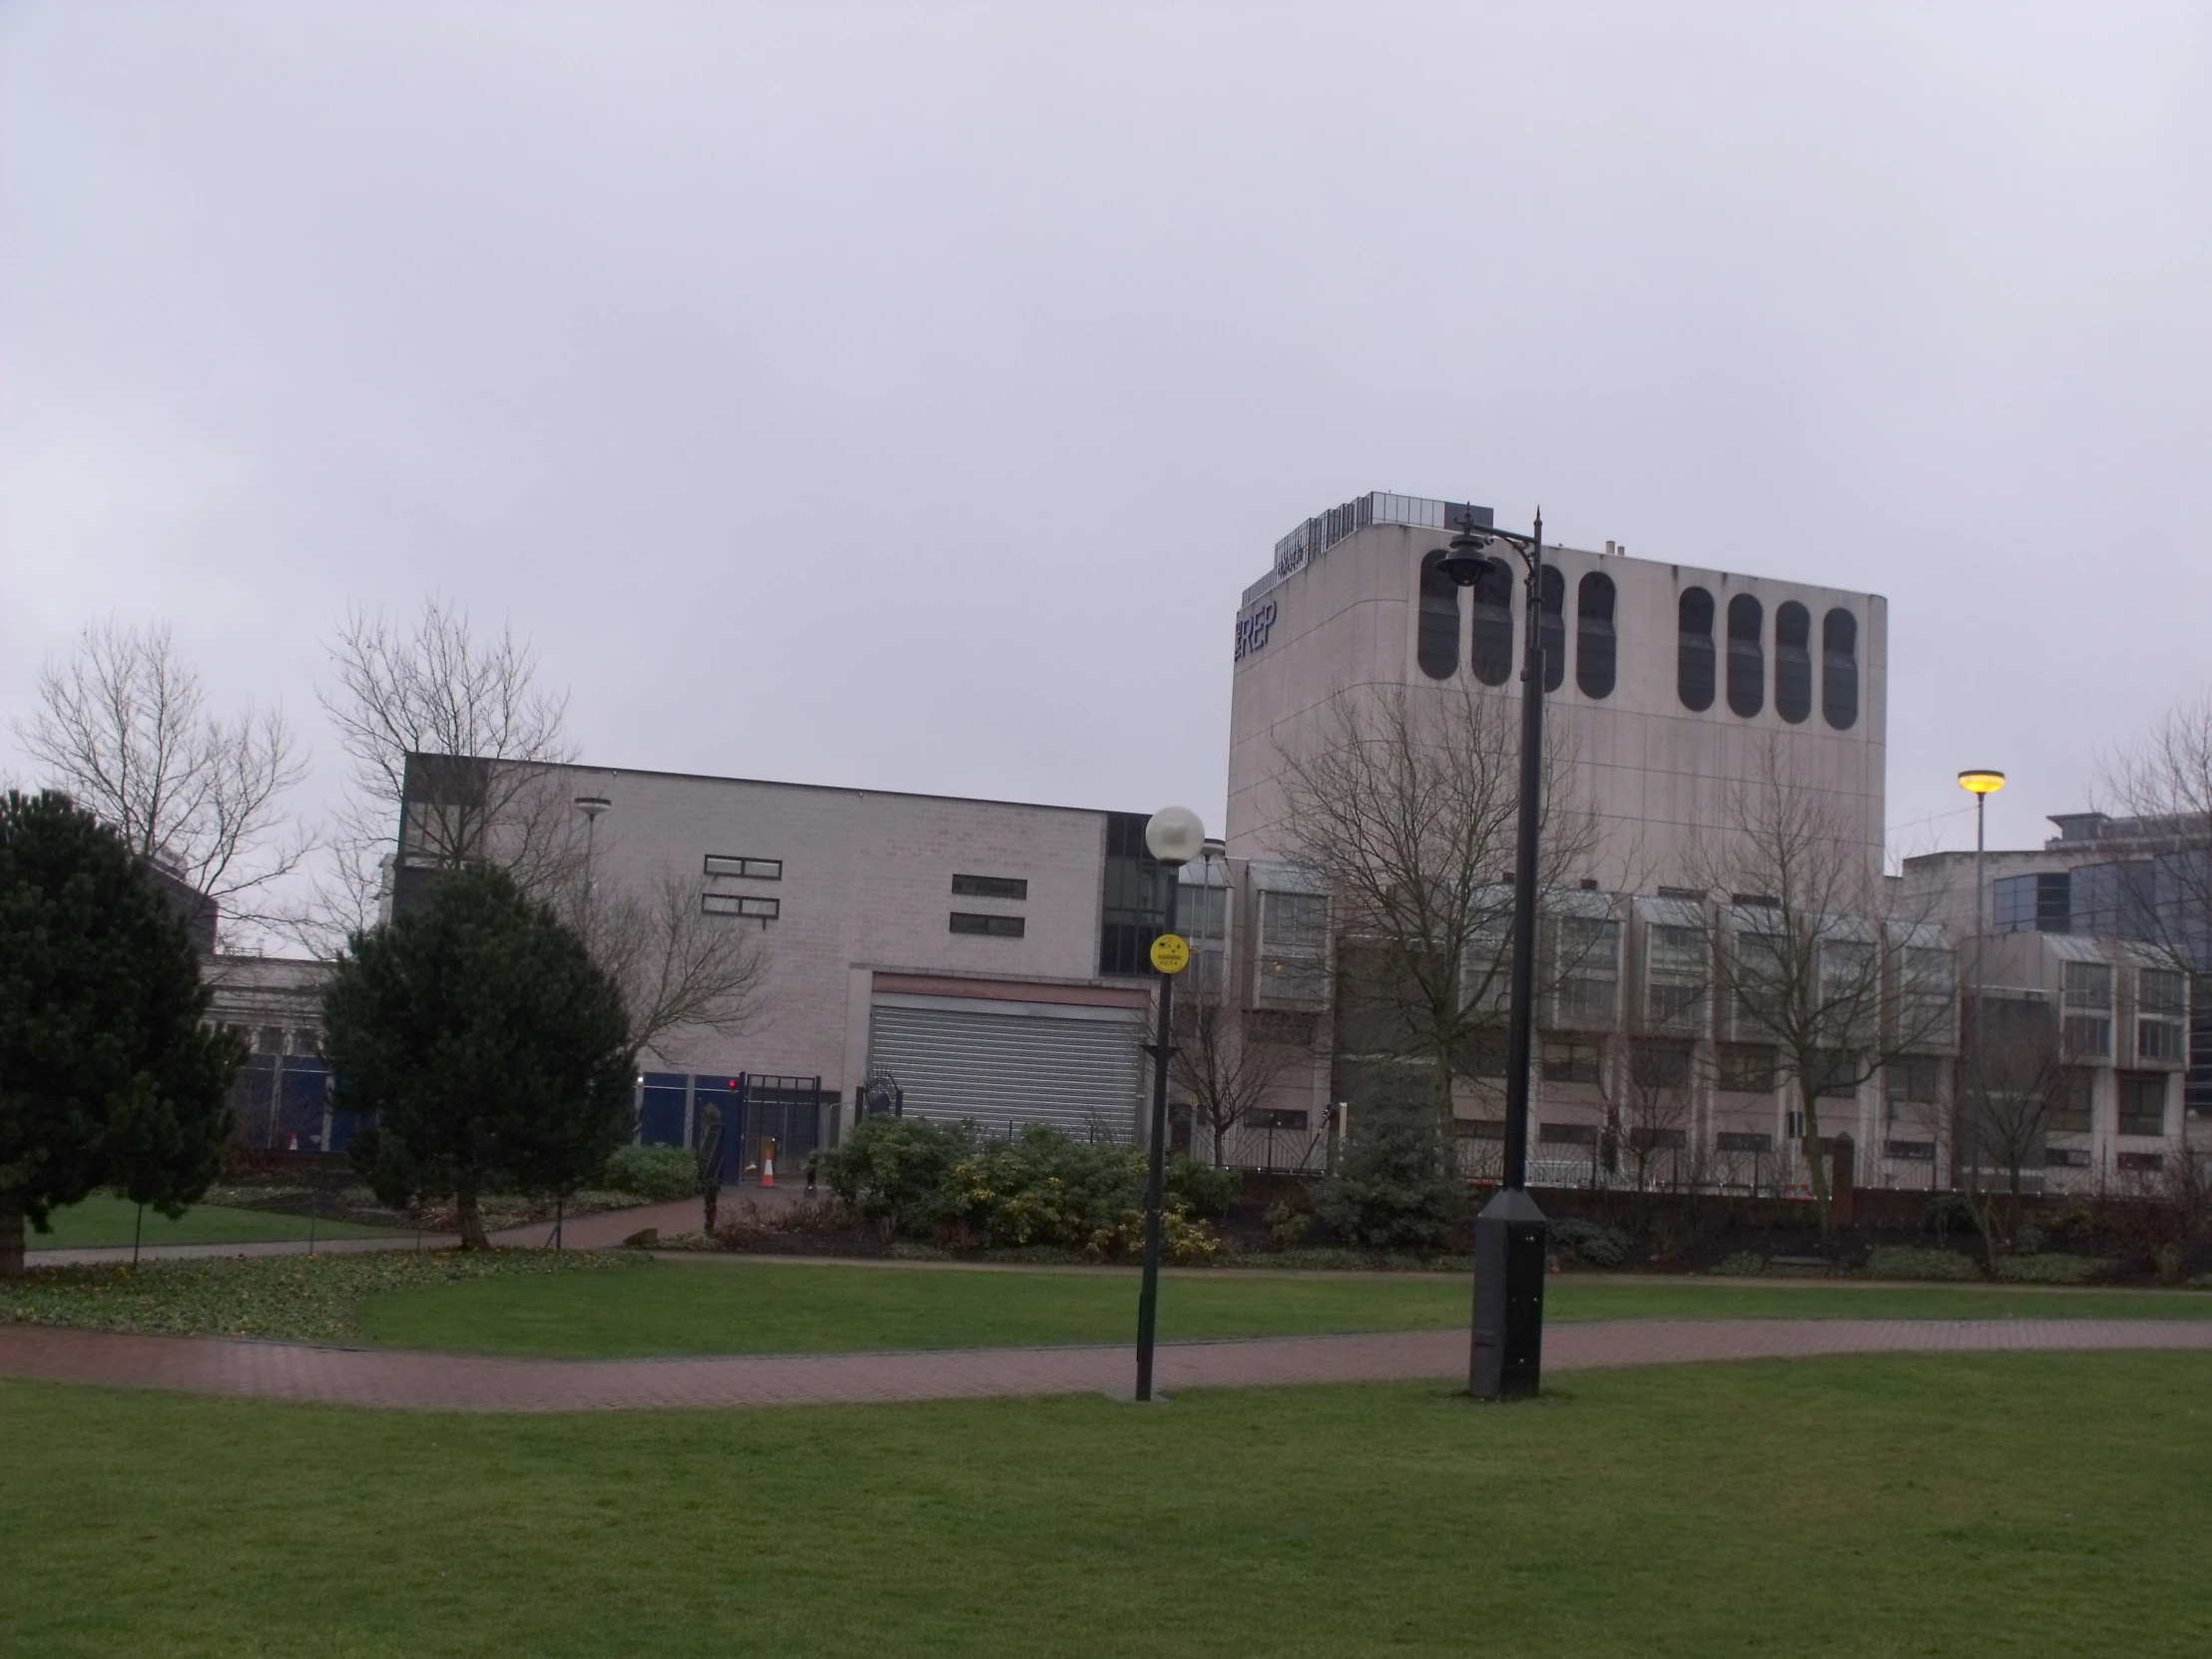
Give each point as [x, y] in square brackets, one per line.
[1980, 782]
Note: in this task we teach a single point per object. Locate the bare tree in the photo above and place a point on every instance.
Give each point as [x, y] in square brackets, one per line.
[1226, 1061]
[1407, 811]
[2165, 784]
[2012, 1087]
[121, 728]
[1654, 1101]
[469, 713]
[1812, 953]
[679, 969]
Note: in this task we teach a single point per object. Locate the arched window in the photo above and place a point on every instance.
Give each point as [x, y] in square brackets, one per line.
[1793, 661]
[1494, 624]
[1840, 669]
[1551, 628]
[1747, 656]
[1594, 634]
[1437, 647]
[1693, 651]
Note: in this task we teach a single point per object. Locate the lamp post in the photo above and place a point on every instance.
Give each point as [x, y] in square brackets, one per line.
[1981, 784]
[591, 805]
[1506, 1358]
[1174, 837]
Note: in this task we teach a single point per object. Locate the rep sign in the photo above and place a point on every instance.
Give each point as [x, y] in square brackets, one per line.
[1253, 628]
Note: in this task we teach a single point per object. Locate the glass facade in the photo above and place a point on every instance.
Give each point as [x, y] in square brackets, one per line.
[1693, 659]
[1793, 661]
[1594, 646]
[1747, 656]
[1840, 669]
[1134, 905]
[1436, 645]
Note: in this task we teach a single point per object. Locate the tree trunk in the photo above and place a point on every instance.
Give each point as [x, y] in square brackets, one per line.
[1815, 1164]
[1220, 1145]
[709, 1199]
[471, 1220]
[11, 1232]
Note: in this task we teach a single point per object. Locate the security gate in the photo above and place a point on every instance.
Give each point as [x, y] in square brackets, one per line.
[1007, 1063]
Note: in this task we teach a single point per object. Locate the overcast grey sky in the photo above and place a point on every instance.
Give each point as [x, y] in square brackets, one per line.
[901, 396]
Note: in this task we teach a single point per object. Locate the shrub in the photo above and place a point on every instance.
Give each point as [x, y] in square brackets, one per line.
[1948, 1212]
[1393, 1186]
[1042, 1186]
[1285, 1226]
[1200, 1188]
[898, 1170]
[2057, 1268]
[1591, 1242]
[658, 1173]
[1913, 1262]
[1741, 1263]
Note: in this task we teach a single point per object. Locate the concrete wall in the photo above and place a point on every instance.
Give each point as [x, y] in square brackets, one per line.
[866, 885]
[1656, 773]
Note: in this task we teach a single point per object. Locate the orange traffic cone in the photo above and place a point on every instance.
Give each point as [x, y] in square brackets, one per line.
[767, 1170]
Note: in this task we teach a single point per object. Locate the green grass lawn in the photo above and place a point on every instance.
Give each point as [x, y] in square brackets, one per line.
[740, 1307]
[104, 1219]
[1928, 1505]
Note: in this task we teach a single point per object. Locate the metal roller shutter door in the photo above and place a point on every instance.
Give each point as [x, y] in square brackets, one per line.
[1011, 1063]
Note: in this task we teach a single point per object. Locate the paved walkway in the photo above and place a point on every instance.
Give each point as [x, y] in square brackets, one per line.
[458, 1382]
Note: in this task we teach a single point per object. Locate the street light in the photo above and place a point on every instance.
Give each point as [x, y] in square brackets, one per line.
[1981, 784]
[1506, 1358]
[591, 805]
[1174, 837]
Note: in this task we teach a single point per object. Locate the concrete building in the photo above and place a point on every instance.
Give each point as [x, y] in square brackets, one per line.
[981, 959]
[1668, 681]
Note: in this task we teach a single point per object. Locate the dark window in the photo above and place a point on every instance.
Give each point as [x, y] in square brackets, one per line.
[1745, 1070]
[1693, 652]
[1910, 1152]
[1594, 634]
[1134, 903]
[1437, 647]
[2065, 1157]
[1551, 627]
[1840, 669]
[990, 886]
[1645, 1138]
[2142, 1104]
[2040, 903]
[1659, 1065]
[1570, 1062]
[1568, 1134]
[1793, 661]
[753, 869]
[1839, 1077]
[1283, 1119]
[1494, 624]
[1747, 656]
[1482, 1129]
[995, 928]
[1738, 1140]
[2071, 1111]
[736, 904]
[1918, 1082]
[2144, 1161]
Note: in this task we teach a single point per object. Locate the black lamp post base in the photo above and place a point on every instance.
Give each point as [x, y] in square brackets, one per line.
[1510, 1239]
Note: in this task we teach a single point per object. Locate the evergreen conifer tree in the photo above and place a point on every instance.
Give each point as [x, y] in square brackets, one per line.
[491, 1050]
[107, 1075]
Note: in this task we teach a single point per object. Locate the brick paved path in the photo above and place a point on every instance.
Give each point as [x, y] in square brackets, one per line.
[444, 1381]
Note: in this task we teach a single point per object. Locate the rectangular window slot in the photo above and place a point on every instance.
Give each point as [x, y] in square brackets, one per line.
[982, 926]
[751, 869]
[990, 886]
[737, 904]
